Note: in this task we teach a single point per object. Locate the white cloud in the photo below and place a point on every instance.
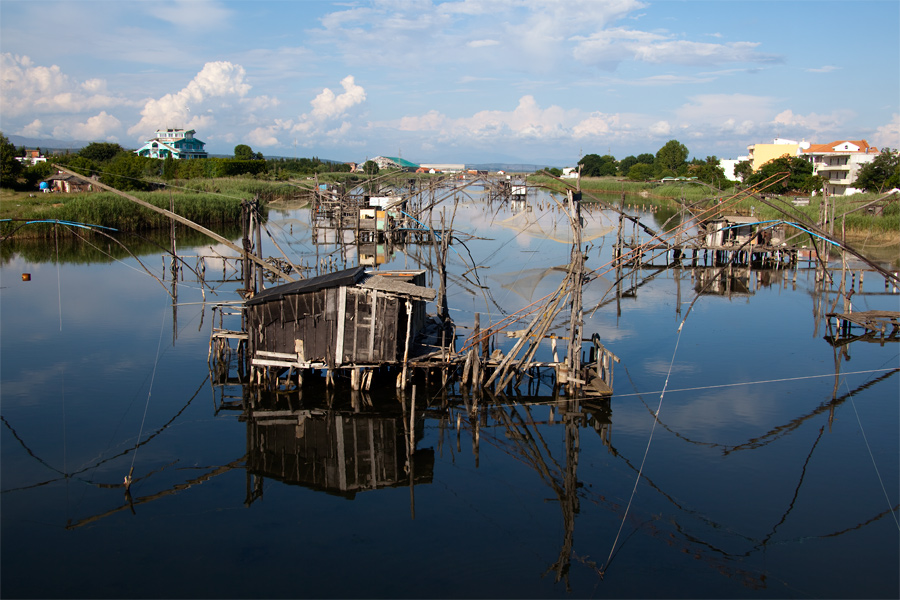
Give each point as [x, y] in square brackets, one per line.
[482, 43]
[814, 123]
[263, 136]
[717, 109]
[216, 80]
[33, 129]
[742, 128]
[98, 127]
[607, 48]
[190, 14]
[888, 136]
[327, 105]
[655, 80]
[528, 120]
[661, 128]
[594, 125]
[341, 131]
[27, 89]
[430, 121]
[824, 69]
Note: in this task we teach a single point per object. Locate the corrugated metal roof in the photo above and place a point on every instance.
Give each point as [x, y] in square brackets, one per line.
[313, 284]
[403, 162]
[398, 286]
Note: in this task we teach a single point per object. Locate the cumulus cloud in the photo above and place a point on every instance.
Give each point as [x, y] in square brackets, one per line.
[814, 123]
[482, 43]
[27, 88]
[888, 136]
[327, 105]
[661, 128]
[33, 129]
[594, 125]
[263, 136]
[216, 80]
[98, 127]
[527, 120]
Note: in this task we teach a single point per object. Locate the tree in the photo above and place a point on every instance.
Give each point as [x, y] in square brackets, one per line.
[243, 152]
[640, 172]
[626, 163]
[594, 165]
[708, 171]
[880, 174]
[100, 152]
[10, 168]
[169, 169]
[797, 169]
[672, 156]
[370, 167]
[743, 170]
[37, 172]
[646, 158]
[125, 172]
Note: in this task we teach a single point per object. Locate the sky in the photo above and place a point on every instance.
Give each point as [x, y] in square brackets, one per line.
[457, 81]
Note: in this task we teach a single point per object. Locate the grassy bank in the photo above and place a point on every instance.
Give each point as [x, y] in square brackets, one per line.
[668, 196]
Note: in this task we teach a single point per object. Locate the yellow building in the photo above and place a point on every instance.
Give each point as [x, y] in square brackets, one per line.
[760, 154]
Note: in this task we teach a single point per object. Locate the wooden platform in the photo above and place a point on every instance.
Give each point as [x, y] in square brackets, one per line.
[879, 321]
[879, 326]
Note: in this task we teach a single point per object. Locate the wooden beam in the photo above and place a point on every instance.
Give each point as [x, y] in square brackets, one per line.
[183, 221]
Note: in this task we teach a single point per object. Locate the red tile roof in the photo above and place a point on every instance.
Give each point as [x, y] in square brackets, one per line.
[863, 145]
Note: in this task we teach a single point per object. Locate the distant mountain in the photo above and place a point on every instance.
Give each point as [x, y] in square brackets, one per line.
[46, 143]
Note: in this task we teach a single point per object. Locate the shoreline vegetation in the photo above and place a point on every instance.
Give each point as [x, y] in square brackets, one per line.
[217, 203]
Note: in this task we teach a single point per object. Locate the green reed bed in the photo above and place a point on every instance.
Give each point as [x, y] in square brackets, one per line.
[110, 210]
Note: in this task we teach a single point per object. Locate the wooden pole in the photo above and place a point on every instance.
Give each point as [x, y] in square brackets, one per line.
[181, 220]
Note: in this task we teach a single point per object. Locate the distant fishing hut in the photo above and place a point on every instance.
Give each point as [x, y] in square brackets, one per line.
[349, 319]
[739, 238]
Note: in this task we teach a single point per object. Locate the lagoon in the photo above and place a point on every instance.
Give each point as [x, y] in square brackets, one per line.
[764, 474]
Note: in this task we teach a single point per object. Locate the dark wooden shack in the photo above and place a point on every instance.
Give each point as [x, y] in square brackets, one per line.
[349, 318]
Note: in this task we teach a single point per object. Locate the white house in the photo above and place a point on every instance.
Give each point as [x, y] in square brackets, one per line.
[839, 162]
[31, 158]
[177, 143]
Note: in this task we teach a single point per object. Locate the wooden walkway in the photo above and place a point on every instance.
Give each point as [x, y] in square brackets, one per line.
[879, 325]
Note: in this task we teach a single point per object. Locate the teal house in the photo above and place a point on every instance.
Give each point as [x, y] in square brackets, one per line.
[176, 143]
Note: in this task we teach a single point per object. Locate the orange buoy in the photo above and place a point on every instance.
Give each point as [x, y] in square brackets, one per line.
[26, 276]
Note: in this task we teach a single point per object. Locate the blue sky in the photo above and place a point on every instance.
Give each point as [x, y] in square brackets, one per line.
[456, 81]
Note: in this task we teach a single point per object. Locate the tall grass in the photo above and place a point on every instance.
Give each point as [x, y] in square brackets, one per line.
[110, 210]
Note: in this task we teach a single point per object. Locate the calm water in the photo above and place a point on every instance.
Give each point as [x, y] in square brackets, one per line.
[765, 475]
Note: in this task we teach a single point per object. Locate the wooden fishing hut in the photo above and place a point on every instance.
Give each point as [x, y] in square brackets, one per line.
[350, 319]
[743, 239]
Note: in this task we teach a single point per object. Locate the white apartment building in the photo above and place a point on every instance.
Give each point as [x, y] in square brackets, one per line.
[839, 162]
